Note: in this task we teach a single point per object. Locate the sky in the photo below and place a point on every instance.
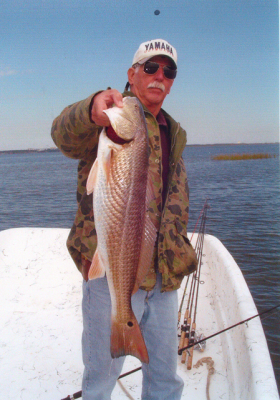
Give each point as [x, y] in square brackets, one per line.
[56, 52]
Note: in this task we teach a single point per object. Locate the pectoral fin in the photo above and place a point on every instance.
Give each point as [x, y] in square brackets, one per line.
[106, 160]
[107, 156]
[97, 268]
[92, 177]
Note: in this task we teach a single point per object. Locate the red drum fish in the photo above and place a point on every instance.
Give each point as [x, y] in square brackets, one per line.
[121, 187]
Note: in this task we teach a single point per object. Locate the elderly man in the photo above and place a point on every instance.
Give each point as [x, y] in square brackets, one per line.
[76, 133]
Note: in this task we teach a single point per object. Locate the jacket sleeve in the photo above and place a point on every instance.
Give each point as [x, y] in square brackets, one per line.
[73, 132]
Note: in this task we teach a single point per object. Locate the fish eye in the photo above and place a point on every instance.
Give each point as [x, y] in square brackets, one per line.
[130, 324]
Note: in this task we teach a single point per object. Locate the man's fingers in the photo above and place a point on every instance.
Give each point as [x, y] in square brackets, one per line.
[103, 101]
[97, 114]
[118, 99]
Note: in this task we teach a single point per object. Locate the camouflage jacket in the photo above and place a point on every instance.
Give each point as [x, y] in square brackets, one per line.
[77, 137]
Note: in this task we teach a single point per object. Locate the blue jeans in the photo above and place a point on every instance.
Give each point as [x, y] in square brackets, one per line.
[157, 315]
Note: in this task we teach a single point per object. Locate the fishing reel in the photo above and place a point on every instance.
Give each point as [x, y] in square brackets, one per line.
[201, 346]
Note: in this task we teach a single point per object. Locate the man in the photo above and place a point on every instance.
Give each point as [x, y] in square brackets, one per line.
[76, 132]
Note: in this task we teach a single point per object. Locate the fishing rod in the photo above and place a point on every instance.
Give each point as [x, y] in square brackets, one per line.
[77, 395]
[189, 326]
[187, 282]
[184, 327]
[228, 328]
[182, 301]
[199, 253]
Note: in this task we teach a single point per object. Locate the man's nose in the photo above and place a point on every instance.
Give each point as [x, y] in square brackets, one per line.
[159, 74]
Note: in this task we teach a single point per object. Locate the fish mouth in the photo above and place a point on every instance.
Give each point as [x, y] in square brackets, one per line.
[130, 124]
[126, 118]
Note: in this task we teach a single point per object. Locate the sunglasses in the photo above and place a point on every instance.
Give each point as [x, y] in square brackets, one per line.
[151, 68]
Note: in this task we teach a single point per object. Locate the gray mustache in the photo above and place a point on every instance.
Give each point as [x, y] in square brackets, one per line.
[158, 85]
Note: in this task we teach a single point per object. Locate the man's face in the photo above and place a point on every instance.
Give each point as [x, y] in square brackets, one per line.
[151, 89]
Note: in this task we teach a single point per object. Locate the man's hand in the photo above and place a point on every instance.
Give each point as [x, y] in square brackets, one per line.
[103, 101]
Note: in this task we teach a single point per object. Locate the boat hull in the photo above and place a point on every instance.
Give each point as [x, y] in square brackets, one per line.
[41, 325]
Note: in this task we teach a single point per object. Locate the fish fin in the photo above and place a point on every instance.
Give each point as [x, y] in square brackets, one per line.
[97, 269]
[127, 339]
[92, 177]
[107, 163]
[147, 249]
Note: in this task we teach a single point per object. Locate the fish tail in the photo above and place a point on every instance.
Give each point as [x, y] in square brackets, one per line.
[127, 339]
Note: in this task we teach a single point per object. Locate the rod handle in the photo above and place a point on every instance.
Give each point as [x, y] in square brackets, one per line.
[182, 339]
[191, 341]
[184, 354]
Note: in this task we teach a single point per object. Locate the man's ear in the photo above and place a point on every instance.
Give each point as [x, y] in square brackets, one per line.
[130, 75]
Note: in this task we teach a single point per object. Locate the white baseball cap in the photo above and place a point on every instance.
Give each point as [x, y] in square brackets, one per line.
[152, 48]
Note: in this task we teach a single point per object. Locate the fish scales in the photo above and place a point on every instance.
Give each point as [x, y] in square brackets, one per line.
[119, 180]
[123, 220]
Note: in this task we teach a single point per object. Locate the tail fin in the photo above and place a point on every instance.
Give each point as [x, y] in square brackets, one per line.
[126, 338]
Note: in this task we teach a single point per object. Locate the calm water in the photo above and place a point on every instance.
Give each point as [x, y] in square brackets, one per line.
[38, 189]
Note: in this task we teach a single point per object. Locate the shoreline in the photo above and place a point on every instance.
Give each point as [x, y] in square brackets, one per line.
[54, 149]
[50, 150]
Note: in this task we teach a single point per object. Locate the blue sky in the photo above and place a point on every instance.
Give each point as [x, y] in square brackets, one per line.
[56, 52]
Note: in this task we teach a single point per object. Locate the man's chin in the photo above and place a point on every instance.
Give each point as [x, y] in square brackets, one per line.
[155, 97]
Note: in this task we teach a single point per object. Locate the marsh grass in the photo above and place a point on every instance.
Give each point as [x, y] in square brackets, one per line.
[246, 156]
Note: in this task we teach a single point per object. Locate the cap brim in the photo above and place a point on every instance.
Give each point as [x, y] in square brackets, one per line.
[162, 55]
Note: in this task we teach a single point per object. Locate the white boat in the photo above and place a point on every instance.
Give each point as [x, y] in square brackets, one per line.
[41, 326]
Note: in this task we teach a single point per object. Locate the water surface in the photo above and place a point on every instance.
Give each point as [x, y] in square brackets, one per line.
[38, 190]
